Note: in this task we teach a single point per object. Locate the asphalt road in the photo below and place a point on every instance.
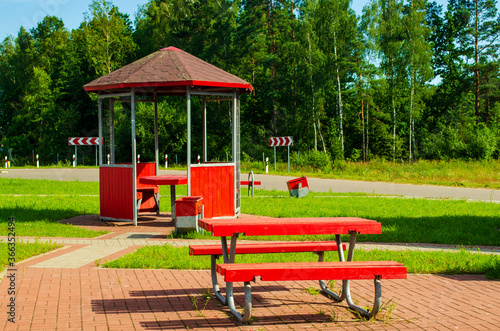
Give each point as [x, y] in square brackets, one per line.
[279, 183]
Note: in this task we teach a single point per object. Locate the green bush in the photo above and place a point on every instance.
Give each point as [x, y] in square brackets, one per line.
[313, 158]
[482, 143]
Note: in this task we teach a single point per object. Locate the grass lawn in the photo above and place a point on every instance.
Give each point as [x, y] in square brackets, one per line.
[462, 262]
[480, 174]
[24, 251]
[38, 205]
[455, 222]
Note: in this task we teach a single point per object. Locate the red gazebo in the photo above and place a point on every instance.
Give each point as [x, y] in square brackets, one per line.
[169, 71]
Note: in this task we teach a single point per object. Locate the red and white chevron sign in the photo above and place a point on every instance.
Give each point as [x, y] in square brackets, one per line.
[83, 141]
[280, 141]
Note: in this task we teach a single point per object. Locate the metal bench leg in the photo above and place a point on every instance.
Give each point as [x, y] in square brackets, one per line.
[324, 288]
[156, 197]
[376, 305]
[248, 302]
[215, 283]
[228, 257]
[139, 203]
[345, 283]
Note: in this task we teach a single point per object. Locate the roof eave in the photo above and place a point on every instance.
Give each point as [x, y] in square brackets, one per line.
[96, 88]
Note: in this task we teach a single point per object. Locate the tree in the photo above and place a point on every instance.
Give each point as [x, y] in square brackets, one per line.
[108, 37]
[384, 20]
[336, 26]
[479, 39]
[418, 52]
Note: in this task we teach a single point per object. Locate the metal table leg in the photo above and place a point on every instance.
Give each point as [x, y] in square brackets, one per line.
[229, 285]
[172, 201]
[346, 286]
[213, 270]
[345, 283]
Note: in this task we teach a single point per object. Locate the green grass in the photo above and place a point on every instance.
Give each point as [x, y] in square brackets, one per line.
[458, 173]
[455, 222]
[403, 220]
[24, 251]
[462, 262]
[13, 186]
[480, 174]
[39, 216]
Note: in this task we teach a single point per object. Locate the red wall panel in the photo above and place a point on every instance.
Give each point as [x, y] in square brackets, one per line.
[116, 196]
[216, 185]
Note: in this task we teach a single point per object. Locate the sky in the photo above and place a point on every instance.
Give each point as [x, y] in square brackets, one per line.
[27, 13]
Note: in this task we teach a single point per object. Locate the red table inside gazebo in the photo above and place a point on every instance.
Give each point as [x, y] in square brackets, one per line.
[171, 180]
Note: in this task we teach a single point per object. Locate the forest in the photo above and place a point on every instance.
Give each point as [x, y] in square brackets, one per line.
[404, 81]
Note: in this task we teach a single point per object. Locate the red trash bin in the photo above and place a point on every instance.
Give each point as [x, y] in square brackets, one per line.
[187, 212]
[298, 187]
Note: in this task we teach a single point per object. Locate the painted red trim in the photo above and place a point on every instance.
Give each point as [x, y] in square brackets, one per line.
[96, 88]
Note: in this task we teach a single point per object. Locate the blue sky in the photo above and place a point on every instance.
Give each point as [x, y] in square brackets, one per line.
[27, 13]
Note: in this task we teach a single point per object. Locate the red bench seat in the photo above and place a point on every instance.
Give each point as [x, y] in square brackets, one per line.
[298, 271]
[246, 272]
[260, 248]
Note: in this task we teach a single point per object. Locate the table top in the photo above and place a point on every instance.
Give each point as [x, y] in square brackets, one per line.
[164, 180]
[289, 226]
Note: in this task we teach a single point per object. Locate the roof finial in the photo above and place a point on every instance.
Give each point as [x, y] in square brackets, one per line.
[171, 48]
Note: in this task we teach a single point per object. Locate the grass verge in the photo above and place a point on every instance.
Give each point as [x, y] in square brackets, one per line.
[455, 222]
[39, 205]
[40, 216]
[458, 173]
[25, 251]
[461, 262]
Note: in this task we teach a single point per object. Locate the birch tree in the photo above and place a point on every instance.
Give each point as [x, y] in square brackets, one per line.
[418, 54]
[336, 27]
[108, 35]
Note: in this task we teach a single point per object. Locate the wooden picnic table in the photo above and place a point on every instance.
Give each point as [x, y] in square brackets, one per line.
[171, 180]
[345, 269]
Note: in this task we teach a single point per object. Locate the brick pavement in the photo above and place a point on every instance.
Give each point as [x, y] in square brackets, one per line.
[52, 295]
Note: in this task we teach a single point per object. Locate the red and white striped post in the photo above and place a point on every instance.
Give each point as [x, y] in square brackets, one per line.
[37, 162]
[198, 158]
[138, 158]
[6, 162]
[281, 141]
[82, 141]
[166, 161]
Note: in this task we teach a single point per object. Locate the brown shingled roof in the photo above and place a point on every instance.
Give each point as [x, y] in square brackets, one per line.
[168, 70]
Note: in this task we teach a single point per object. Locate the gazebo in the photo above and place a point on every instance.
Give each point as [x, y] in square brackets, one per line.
[169, 71]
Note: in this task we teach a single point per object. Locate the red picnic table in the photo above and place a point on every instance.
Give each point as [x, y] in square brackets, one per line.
[320, 270]
[171, 180]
